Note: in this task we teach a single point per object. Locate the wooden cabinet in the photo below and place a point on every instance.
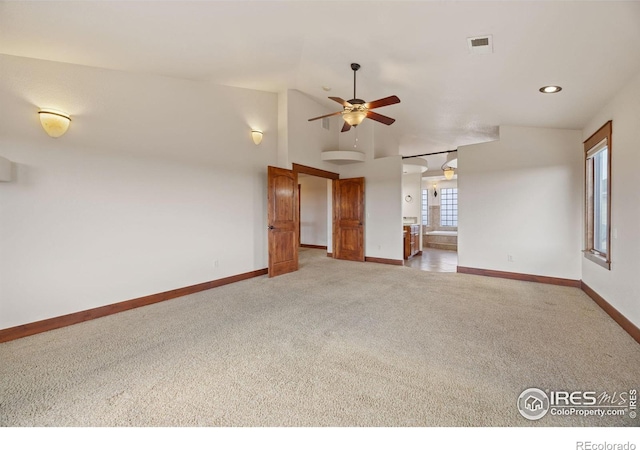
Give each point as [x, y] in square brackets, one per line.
[411, 235]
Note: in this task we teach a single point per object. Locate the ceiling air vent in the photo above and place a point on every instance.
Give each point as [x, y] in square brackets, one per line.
[480, 44]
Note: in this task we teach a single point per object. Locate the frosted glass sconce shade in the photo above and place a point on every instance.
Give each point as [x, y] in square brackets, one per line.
[55, 123]
[354, 118]
[256, 136]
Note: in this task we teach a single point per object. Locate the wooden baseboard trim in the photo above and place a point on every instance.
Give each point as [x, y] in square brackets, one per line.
[520, 276]
[329, 254]
[320, 247]
[393, 262]
[20, 331]
[616, 315]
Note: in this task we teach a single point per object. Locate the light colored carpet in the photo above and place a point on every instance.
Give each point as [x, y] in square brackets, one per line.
[335, 344]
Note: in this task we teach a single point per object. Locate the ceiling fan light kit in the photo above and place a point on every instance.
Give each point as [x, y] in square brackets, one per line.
[356, 110]
[355, 116]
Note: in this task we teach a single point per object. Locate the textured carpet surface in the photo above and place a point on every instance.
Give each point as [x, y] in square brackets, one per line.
[335, 344]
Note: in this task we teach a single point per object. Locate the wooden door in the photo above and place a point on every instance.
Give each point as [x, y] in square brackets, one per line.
[299, 202]
[348, 219]
[283, 219]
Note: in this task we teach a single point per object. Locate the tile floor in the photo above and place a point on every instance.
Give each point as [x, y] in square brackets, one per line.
[434, 260]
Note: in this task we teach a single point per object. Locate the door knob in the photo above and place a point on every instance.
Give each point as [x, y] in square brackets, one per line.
[271, 227]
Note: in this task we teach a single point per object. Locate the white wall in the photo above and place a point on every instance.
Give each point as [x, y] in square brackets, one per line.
[313, 210]
[360, 138]
[620, 286]
[307, 140]
[412, 185]
[385, 141]
[156, 179]
[522, 196]
[283, 130]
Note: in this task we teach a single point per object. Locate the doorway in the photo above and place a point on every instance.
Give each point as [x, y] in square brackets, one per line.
[430, 205]
[315, 226]
[439, 223]
[284, 211]
[313, 230]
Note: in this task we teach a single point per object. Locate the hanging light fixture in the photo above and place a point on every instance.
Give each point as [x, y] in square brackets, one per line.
[354, 116]
[448, 171]
[55, 123]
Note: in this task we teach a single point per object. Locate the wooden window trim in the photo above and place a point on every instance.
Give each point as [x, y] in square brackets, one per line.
[604, 260]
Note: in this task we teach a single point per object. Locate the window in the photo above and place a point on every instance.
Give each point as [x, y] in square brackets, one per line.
[449, 207]
[425, 207]
[598, 197]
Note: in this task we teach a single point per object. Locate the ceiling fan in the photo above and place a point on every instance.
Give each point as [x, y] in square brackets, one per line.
[356, 110]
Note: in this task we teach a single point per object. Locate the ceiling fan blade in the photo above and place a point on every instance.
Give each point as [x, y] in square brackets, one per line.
[345, 127]
[392, 100]
[326, 115]
[380, 118]
[344, 103]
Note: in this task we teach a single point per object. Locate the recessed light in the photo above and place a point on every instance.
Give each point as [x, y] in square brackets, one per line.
[326, 88]
[550, 89]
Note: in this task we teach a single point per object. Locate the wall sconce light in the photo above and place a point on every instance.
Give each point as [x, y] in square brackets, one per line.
[256, 135]
[435, 192]
[55, 123]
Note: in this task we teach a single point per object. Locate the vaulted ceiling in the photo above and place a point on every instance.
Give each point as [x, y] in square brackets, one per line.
[416, 50]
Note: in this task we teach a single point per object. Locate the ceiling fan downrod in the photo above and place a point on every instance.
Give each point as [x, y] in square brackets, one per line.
[354, 67]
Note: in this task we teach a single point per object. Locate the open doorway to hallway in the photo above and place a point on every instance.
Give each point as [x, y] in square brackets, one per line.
[431, 203]
[340, 207]
[315, 212]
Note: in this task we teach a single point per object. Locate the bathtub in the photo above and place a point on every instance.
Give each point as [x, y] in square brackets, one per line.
[445, 240]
